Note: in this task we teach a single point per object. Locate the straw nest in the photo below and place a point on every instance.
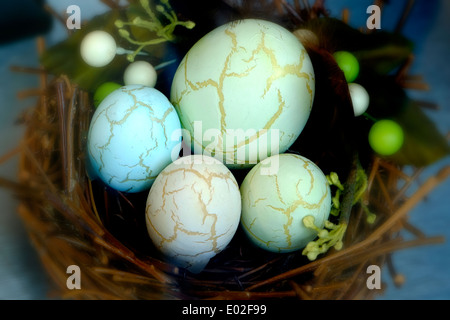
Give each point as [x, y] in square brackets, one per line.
[72, 220]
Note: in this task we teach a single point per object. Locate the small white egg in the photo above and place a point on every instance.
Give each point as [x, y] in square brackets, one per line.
[275, 203]
[140, 72]
[98, 48]
[193, 211]
[360, 98]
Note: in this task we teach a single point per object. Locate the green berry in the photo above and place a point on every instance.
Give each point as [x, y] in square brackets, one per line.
[103, 91]
[348, 64]
[386, 137]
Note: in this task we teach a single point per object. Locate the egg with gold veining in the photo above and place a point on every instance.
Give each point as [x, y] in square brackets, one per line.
[134, 134]
[193, 211]
[275, 201]
[244, 92]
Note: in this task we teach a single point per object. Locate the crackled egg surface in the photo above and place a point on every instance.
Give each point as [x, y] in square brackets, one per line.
[193, 210]
[244, 91]
[132, 137]
[274, 203]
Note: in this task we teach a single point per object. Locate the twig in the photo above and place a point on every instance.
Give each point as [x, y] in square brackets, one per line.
[424, 189]
[113, 4]
[349, 191]
[302, 294]
[404, 69]
[397, 172]
[413, 230]
[406, 11]
[292, 11]
[4, 158]
[258, 268]
[352, 280]
[58, 16]
[61, 102]
[427, 105]
[69, 138]
[396, 277]
[27, 69]
[125, 253]
[406, 186]
[345, 15]
[420, 86]
[27, 93]
[385, 191]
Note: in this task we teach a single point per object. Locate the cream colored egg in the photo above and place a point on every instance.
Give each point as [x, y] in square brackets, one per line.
[140, 72]
[244, 92]
[360, 98]
[98, 48]
[275, 203]
[193, 211]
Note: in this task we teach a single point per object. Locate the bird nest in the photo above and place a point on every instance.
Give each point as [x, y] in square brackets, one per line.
[73, 220]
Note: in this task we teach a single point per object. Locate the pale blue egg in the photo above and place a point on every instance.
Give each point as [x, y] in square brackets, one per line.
[134, 134]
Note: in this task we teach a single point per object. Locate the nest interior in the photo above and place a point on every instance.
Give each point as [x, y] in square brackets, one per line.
[73, 220]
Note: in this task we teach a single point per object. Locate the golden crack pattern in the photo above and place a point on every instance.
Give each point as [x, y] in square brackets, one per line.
[280, 72]
[213, 237]
[287, 209]
[113, 124]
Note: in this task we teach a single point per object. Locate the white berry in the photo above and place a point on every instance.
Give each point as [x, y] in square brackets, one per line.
[360, 98]
[140, 72]
[98, 48]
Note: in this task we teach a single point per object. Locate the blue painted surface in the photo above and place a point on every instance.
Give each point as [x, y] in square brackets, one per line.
[425, 268]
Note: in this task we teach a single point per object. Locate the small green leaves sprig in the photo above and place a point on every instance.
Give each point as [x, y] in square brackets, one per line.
[154, 24]
[361, 187]
[331, 235]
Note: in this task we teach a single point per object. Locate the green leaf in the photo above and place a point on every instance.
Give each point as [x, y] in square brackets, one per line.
[378, 52]
[424, 144]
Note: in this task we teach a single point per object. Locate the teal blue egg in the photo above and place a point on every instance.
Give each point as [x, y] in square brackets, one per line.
[134, 134]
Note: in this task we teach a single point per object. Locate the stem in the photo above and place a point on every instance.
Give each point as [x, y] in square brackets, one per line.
[406, 11]
[349, 191]
[61, 103]
[368, 116]
[145, 4]
[163, 33]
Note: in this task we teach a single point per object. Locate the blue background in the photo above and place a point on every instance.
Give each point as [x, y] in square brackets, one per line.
[425, 268]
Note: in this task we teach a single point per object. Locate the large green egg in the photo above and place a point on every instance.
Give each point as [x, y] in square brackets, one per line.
[244, 92]
[276, 195]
